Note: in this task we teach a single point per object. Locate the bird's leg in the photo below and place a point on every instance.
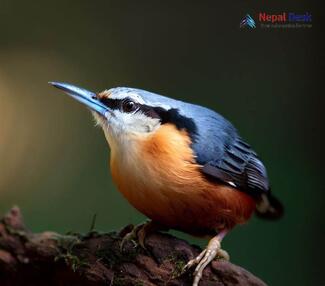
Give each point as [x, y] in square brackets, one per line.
[207, 255]
[139, 233]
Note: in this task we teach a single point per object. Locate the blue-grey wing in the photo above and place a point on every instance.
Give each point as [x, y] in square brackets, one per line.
[239, 167]
[225, 156]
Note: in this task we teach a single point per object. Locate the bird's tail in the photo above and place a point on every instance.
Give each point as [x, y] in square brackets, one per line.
[269, 207]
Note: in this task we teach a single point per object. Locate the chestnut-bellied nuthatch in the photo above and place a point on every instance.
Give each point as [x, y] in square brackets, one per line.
[182, 165]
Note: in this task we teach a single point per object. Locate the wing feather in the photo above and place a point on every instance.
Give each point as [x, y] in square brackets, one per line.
[239, 166]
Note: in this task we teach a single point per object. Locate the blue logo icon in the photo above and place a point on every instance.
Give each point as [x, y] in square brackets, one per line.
[248, 21]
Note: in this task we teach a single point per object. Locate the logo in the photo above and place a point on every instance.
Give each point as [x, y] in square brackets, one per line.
[277, 20]
[247, 21]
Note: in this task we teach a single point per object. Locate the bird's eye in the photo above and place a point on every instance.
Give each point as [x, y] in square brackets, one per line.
[129, 106]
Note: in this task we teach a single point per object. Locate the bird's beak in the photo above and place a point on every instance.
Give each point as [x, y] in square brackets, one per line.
[84, 96]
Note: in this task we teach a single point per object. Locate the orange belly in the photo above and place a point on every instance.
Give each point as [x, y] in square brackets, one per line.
[159, 177]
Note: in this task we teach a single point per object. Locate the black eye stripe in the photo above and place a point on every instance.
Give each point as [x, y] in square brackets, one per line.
[111, 103]
[116, 104]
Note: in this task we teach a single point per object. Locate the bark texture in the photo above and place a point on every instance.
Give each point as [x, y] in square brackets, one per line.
[94, 258]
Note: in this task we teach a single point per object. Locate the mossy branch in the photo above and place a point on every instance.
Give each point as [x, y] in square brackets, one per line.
[49, 258]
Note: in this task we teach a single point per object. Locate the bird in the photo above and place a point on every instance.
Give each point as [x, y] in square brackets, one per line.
[182, 165]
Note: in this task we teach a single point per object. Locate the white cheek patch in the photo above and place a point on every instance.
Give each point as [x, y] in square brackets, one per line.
[133, 122]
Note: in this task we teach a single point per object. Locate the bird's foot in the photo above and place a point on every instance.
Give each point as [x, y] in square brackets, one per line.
[212, 251]
[136, 236]
[139, 233]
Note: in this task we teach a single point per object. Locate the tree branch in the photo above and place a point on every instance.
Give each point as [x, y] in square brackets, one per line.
[95, 258]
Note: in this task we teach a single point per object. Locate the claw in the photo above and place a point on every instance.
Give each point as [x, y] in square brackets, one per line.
[139, 233]
[194, 261]
[132, 236]
[206, 256]
[209, 255]
[223, 254]
[142, 236]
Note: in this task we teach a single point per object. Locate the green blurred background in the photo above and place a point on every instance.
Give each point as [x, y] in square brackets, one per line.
[53, 161]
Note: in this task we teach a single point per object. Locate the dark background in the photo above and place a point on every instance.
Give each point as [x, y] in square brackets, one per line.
[53, 162]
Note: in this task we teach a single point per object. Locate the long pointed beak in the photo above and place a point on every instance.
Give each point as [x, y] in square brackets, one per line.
[84, 96]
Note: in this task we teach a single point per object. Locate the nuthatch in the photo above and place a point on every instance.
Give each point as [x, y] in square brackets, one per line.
[182, 165]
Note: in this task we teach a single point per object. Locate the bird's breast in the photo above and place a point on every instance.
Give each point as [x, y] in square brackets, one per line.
[158, 175]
